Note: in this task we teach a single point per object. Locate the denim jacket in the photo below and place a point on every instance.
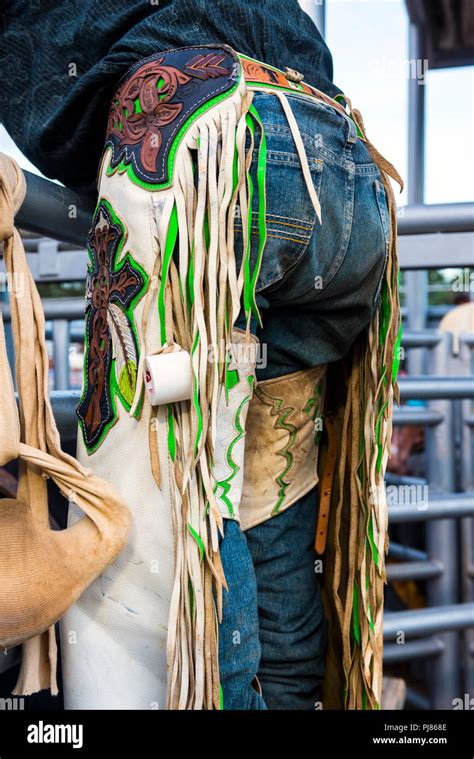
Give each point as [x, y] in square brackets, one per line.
[61, 60]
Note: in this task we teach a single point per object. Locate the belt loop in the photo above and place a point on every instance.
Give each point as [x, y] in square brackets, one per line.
[351, 130]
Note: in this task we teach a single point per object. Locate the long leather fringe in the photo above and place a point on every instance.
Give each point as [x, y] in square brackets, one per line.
[199, 291]
[357, 544]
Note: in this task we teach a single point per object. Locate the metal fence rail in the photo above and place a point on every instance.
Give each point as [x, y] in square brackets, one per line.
[54, 211]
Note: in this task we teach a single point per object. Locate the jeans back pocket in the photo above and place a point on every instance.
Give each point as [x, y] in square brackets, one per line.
[289, 212]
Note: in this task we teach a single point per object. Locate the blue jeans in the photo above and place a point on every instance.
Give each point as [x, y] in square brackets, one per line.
[239, 644]
[273, 619]
[317, 290]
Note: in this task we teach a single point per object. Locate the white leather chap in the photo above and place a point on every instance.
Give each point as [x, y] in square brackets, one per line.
[113, 641]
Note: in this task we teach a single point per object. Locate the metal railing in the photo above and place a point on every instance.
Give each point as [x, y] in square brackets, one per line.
[449, 472]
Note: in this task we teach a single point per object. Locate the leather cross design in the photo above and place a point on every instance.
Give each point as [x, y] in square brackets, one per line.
[112, 289]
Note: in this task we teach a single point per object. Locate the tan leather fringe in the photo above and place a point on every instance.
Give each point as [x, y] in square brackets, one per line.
[354, 571]
[201, 305]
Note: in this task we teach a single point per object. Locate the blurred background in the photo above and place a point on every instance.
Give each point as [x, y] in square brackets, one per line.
[408, 66]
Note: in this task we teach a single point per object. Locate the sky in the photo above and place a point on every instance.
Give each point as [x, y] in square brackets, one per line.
[369, 43]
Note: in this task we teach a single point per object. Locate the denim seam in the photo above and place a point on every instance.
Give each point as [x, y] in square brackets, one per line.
[328, 110]
[319, 104]
[350, 131]
[344, 160]
[288, 224]
[378, 191]
[291, 159]
[366, 169]
[280, 237]
[349, 193]
[280, 216]
[279, 279]
[277, 222]
[272, 233]
[270, 215]
[275, 233]
[256, 230]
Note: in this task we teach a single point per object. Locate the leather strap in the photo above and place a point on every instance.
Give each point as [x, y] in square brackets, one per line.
[326, 486]
[262, 76]
[258, 74]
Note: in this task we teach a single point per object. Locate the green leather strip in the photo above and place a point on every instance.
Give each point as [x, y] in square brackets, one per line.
[171, 433]
[262, 211]
[342, 101]
[247, 275]
[169, 248]
[198, 540]
[226, 484]
[355, 614]
[375, 553]
[286, 452]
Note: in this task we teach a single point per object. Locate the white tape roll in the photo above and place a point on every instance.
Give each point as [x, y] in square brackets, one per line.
[168, 377]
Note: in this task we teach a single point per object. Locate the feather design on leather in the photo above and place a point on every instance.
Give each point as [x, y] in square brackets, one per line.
[124, 351]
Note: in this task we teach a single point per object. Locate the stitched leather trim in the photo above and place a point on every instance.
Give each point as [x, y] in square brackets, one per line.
[155, 102]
